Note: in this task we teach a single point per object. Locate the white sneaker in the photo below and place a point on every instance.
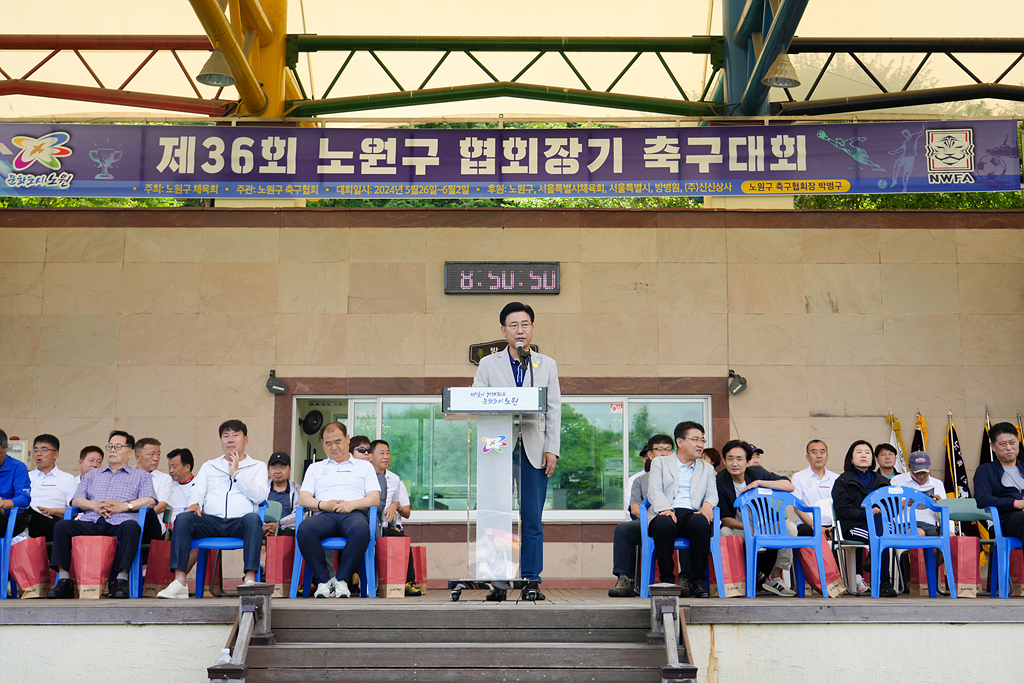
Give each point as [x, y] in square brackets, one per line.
[174, 591]
[860, 586]
[341, 590]
[778, 587]
[325, 589]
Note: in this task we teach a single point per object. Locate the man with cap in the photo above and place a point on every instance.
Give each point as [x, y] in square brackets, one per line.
[755, 460]
[284, 491]
[628, 534]
[920, 479]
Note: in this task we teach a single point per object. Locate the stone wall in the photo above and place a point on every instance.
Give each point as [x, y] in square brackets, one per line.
[166, 322]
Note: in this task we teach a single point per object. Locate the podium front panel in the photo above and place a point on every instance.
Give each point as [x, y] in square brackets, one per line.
[494, 556]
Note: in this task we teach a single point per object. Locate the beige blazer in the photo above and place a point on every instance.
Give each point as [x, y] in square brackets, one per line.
[541, 432]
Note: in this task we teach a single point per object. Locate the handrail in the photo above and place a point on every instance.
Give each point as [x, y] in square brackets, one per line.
[252, 627]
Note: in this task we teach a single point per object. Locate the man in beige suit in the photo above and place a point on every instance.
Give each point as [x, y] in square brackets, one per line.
[683, 493]
[540, 434]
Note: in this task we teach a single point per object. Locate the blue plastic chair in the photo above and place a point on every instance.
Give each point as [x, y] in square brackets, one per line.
[1004, 545]
[898, 507]
[763, 513]
[647, 563]
[135, 574]
[219, 543]
[5, 557]
[368, 576]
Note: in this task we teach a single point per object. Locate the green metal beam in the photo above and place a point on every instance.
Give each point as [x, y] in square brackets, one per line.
[314, 43]
[526, 91]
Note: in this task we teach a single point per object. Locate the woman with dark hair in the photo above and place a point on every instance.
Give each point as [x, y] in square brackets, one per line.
[885, 459]
[714, 458]
[849, 491]
[739, 476]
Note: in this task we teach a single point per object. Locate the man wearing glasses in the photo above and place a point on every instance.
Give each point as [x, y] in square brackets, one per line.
[540, 434]
[683, 494]
[628, 534]
[52, 489]
[110, 498]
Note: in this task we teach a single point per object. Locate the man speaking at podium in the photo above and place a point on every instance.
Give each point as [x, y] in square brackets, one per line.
[539, 438]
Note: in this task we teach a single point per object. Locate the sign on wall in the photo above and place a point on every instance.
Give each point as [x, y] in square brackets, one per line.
[218, 161]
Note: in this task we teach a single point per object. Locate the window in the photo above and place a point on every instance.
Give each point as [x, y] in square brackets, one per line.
[601, 440]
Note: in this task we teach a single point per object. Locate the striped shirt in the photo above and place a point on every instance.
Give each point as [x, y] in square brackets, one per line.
[127, 483]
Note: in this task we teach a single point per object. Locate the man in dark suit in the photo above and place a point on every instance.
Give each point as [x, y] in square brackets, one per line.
[1000, 483]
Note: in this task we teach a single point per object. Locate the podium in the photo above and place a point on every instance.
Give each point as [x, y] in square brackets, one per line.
[497, 413]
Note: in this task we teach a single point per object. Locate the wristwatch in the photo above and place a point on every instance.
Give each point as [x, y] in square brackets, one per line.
[131, 506]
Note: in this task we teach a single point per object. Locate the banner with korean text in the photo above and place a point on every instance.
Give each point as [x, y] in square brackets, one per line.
[318, 163]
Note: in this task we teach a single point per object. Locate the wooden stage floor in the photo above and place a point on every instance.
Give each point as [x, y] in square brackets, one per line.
[761, 610]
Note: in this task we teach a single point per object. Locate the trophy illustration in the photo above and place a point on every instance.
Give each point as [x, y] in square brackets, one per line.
[105, 158]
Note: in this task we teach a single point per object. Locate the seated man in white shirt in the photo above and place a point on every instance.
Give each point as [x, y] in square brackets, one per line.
[340, 490]
[813, 486]
[147, 459]
[226, 495]
[52, 489]
[180, 463]
[920, 479]
[396, 506]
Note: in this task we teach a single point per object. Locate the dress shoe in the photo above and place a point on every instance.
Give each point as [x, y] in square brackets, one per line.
[62, 590]
[119, 589]
[684, 587]
[496, 595]
[698, 590]
[532, 592]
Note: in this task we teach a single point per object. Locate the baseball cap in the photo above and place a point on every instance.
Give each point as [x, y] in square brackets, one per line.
[920, 462]
[755, 449]
[281, 457]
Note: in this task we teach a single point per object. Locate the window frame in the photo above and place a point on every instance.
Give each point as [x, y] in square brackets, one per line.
[550, 515]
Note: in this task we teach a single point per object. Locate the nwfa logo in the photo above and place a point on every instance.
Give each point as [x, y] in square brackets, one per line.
[950, 153]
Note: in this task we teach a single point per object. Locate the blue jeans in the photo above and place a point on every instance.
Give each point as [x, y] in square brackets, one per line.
[533, 490]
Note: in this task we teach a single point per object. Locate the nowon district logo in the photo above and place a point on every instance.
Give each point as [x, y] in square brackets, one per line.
[950, 153]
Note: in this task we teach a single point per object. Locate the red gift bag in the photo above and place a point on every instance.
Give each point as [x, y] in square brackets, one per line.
[158, 568]
[30, 567]
[833, 581]
[966, 551]
[419, 563]
[91, 560]
[392, 565]
[1016, 573]
[280, 559]
[734, 568]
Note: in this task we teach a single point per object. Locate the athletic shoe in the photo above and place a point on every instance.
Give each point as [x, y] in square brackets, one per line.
[412, 590]
[860, 587]
[778, 587]
[623, 588]
[341, 589]
[326, 589]
[174, 591]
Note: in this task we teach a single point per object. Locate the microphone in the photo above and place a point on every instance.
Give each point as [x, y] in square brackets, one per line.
[522, 350]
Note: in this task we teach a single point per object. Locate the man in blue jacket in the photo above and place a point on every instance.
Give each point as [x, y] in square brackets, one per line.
[1000, 483]
[15, 488]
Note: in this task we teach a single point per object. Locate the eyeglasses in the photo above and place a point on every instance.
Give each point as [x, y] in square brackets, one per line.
[39, 451]
[362, 449]
[116, 447]
[515, 327]
[334, 444]
[662, 449]
[740, 458]
[696, 439]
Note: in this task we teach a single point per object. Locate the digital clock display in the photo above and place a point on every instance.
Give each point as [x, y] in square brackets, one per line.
[501, 277]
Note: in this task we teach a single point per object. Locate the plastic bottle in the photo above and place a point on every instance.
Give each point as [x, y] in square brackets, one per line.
[225, 656]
